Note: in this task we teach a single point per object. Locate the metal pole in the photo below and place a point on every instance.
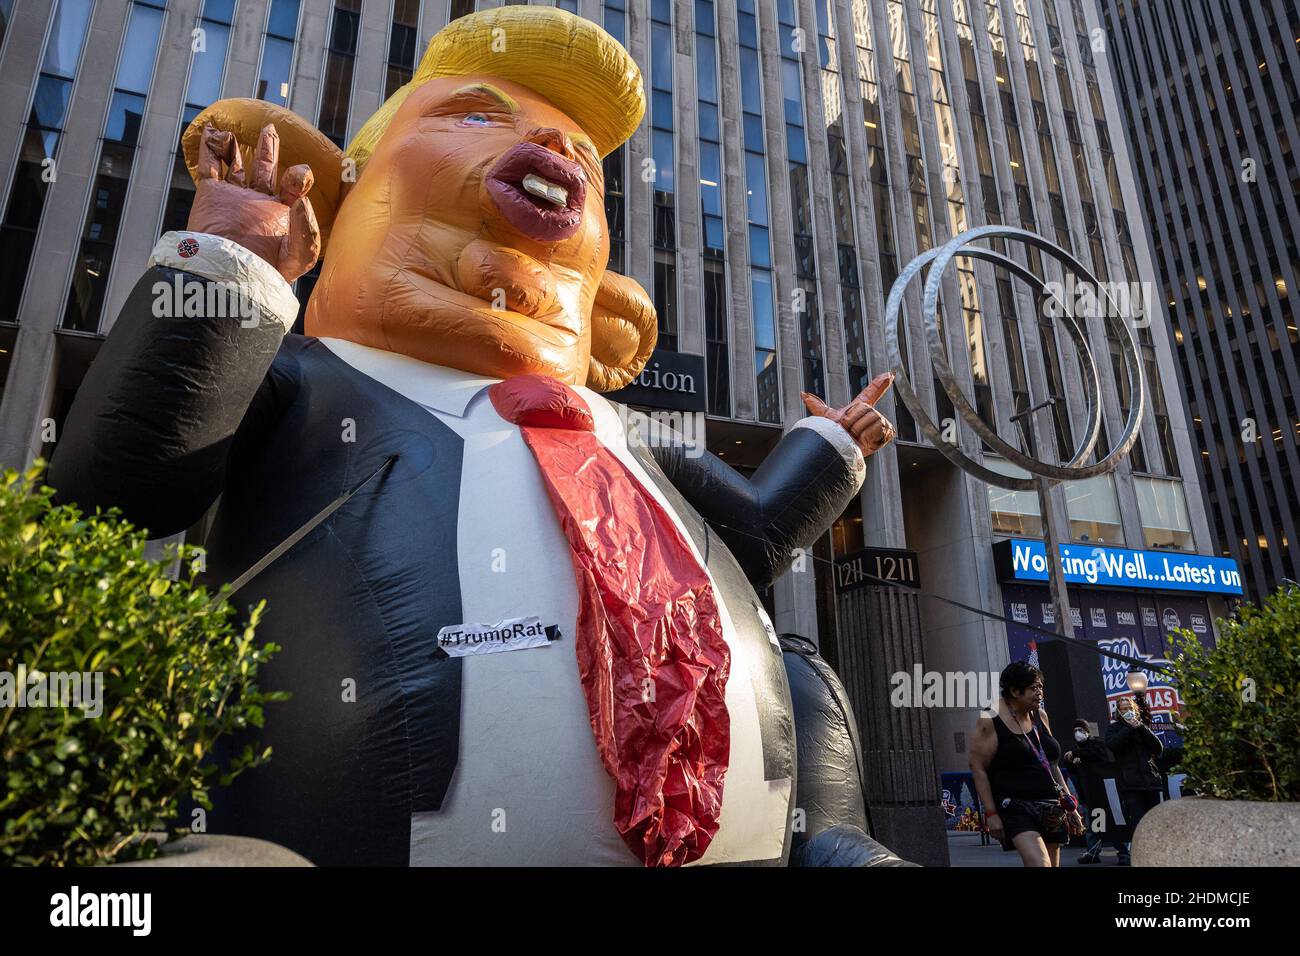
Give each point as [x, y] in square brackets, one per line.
[1056, 573]
[1051, 541]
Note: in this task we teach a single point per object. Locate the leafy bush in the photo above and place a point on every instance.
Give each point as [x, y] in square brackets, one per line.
[1242, 699]
[82, 784]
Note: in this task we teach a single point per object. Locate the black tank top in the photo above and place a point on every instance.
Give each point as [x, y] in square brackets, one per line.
[1015, 771]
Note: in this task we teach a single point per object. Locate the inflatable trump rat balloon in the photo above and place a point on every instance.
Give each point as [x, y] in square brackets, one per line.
[532, 635]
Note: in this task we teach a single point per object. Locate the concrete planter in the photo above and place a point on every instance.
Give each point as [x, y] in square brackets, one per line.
[208, 849]
[1197, 831]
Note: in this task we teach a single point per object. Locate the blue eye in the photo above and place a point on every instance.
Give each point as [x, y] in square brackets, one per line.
[475, 119]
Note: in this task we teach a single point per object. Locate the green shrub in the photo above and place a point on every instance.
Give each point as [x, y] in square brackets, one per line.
[82, 784]
[1242, 703]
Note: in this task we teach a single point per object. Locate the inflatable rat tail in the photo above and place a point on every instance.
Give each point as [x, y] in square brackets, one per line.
[829, 785]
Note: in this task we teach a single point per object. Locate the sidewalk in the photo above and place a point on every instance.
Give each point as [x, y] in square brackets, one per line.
[964, 850]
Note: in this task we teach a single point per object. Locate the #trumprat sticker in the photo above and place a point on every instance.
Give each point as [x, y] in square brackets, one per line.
[514, 634]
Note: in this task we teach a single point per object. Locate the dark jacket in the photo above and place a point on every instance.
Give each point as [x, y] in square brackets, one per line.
[1096, 763]
[1134, 748]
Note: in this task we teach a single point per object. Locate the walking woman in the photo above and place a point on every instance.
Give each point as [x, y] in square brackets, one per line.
[1013, 759]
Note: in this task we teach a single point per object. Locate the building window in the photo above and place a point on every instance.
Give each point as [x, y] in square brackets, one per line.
[955, 200]
[1160, 412]
[209, 61]
[6, 14]
[717, 358]
[615, 214]
[908, 119]
[402, 39]
[1013, 513]
[846, 532]
[615, 164]
[1019, 383]
[116, 157]
[275, 74]
[662, 152]
[712, 229]
[917, 211]
[207, 68]
[1093, 510]
[1137, 457]
[340, 57]
[804, 295]
[1055, 385]
[615, 19]
[461, 8]
[1025, 207]
[665, 298]
[1162, 505]
[336, 92]
[762, 301]
[842, 206]
[853, 300]
[765, 364]
[39, 148]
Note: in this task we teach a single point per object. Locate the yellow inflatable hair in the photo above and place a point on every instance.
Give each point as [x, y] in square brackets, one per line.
[571, 61]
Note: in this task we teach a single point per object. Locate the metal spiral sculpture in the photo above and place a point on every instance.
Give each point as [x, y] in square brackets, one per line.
[1073, 470]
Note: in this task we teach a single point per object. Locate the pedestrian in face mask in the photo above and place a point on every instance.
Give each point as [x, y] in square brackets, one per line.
[1135, 747]
[1090, 762]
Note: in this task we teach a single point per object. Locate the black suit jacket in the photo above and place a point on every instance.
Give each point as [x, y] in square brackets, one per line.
[178, 412]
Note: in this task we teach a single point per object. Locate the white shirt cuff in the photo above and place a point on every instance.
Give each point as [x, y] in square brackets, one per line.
[223, 260]
[841, 440]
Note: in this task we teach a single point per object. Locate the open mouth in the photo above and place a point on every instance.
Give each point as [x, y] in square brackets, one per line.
[539, 193]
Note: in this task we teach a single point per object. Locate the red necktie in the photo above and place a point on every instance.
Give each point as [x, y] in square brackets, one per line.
[651, 653]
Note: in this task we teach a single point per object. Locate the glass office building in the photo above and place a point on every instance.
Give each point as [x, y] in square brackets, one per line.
[1210, 101]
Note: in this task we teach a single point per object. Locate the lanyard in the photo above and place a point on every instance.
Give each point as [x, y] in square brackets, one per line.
[1037, 748]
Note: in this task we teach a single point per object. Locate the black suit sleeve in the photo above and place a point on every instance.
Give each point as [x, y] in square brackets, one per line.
[802, 486]
[153, 424]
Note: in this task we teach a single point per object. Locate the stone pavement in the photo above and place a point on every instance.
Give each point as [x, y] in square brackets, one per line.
[964, 850]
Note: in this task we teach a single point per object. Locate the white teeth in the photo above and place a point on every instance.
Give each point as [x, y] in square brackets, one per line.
[545, 189]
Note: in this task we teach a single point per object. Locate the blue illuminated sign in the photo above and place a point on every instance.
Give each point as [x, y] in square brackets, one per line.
[1119, 567]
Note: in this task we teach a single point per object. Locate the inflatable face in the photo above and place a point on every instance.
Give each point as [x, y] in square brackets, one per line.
[476, 235]
[472, 204]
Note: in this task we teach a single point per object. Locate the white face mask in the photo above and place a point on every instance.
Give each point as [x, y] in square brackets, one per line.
[1081, 735]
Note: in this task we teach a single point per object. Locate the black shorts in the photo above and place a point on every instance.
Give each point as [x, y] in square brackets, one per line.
[1016, 821]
